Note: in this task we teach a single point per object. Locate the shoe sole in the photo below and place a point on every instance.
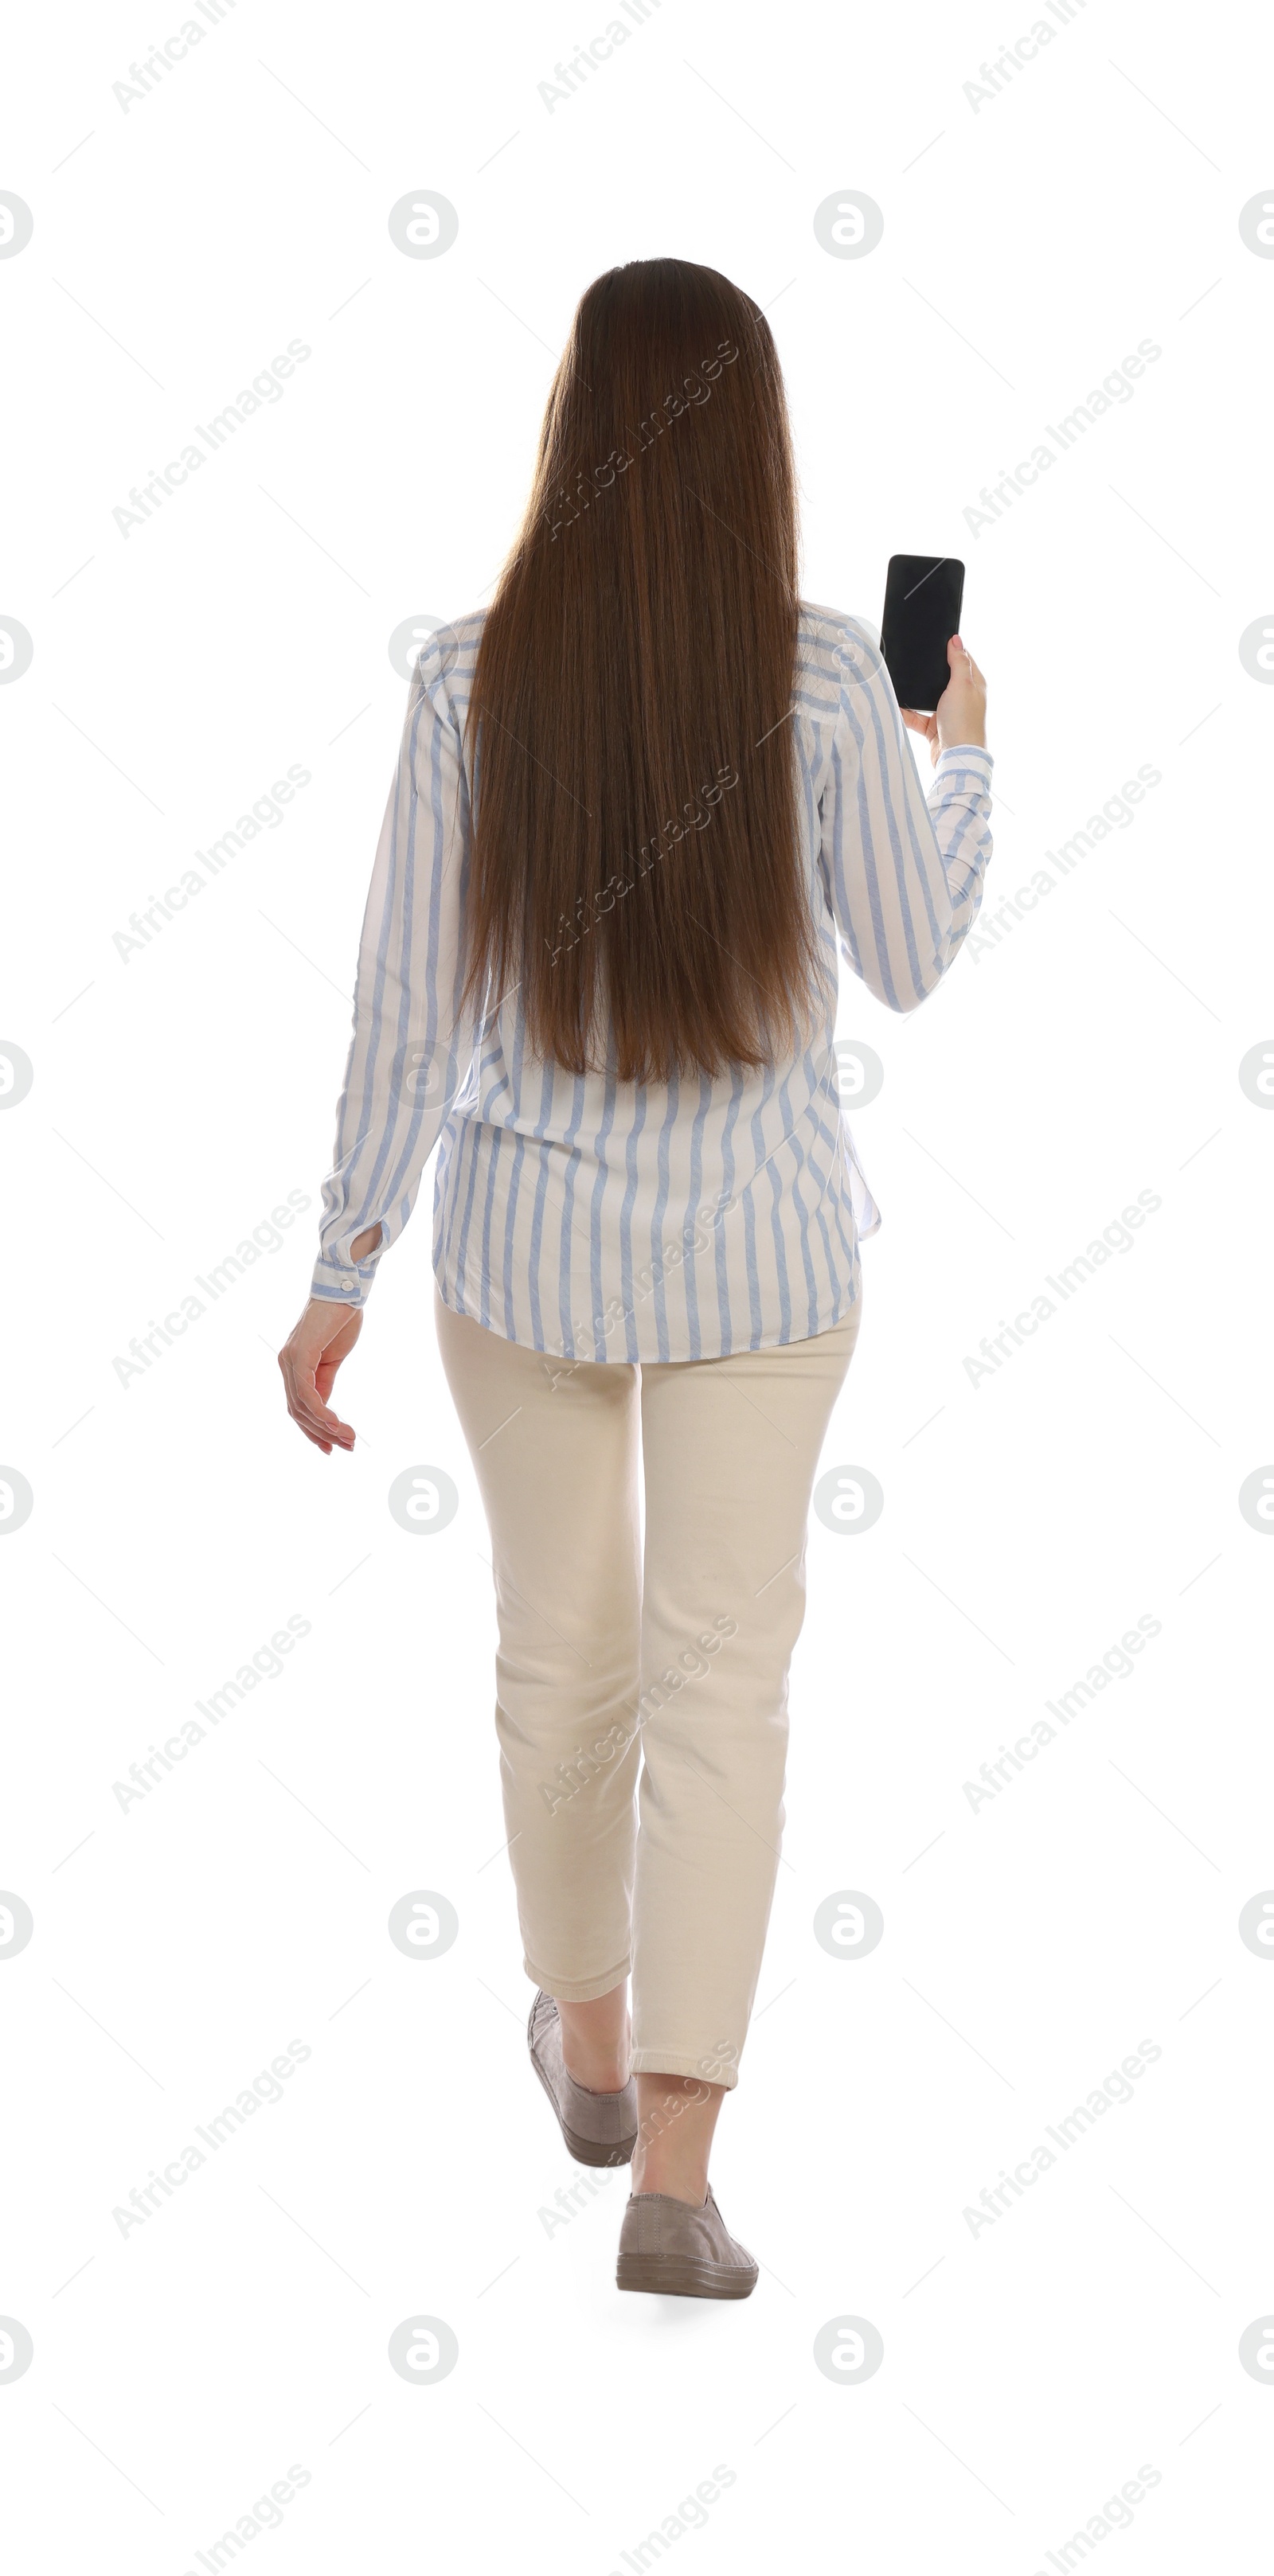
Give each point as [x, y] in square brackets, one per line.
[586, 2151]
[674, 2275]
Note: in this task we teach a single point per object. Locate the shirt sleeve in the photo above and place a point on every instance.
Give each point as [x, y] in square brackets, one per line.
[412, 1049]
[903, 872]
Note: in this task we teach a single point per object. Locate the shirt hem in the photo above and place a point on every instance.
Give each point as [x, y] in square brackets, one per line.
[656, 1359]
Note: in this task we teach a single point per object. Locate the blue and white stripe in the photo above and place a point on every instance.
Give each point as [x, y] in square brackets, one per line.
[599, 1220]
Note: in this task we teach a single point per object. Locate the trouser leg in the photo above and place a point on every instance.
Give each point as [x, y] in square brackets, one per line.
[731, 1448]
[555, 1450]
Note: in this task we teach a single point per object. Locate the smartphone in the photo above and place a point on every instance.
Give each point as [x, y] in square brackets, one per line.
[923, 596]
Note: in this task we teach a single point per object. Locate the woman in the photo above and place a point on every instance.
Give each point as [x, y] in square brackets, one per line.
[639, 803]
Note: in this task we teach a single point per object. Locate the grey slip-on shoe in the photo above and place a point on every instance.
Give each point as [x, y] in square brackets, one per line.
[599, 2128]
[669, 2245]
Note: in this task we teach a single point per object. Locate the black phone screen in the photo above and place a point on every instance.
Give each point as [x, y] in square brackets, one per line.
[923, 596]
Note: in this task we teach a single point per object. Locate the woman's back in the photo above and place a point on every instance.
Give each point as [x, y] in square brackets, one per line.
[597, 1219]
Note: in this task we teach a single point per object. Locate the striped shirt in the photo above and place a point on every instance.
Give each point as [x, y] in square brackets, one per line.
[600, 1220]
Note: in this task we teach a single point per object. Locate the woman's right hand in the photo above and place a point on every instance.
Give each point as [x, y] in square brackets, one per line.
[960, 715]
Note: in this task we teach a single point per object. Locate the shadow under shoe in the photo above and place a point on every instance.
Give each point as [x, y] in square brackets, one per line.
[670, 2245]
[599, 2128]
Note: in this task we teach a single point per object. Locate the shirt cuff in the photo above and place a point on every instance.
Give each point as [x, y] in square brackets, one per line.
[965, 755]
[344, 1283]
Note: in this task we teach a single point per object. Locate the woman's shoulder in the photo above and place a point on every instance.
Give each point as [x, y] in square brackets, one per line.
[449, 654]
[832, 648]
[823, 629]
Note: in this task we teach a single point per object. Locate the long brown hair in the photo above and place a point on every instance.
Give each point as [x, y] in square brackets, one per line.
[635, 864]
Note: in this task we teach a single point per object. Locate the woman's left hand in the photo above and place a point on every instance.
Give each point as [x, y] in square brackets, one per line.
[309, 1359]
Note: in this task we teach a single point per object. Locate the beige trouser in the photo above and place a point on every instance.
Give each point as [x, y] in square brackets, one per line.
[678, 1669]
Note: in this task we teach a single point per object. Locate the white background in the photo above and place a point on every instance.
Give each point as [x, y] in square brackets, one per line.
[1029, 2370]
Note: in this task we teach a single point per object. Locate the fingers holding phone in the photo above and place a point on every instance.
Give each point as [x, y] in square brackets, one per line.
[939, 687]
[960, 715]
[926, 725]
